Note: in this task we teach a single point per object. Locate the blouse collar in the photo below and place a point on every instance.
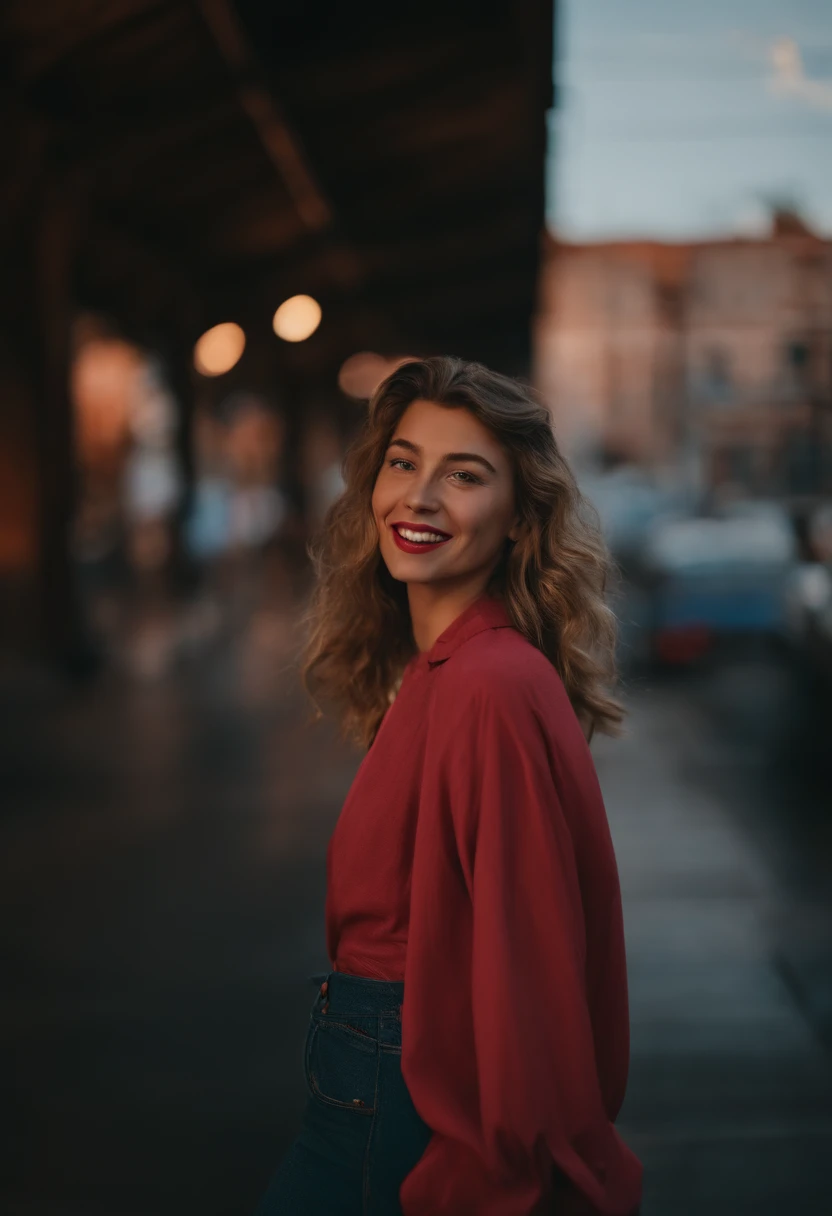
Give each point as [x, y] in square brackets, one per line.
[485, 613]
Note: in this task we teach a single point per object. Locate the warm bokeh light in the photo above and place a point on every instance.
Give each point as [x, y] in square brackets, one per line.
[297, 319]
[104, 378]
[362, 373]
[219, 349]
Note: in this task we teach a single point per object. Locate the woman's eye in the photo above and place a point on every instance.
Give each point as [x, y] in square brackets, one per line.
[464, 477]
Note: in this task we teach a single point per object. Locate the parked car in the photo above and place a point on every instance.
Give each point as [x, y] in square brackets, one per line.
[726, 574]
[629, 502]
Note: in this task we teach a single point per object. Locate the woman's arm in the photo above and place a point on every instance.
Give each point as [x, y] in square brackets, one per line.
[499, 1051]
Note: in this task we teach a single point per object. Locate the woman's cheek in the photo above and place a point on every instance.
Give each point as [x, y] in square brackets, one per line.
[381, 498]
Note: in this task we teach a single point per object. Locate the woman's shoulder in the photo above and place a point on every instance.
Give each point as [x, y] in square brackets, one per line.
[503, 667]
[502, 688]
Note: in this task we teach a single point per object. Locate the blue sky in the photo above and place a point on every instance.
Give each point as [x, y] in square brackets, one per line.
[681, 119]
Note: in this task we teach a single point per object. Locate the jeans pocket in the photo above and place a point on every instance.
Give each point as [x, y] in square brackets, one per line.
[341, 1063]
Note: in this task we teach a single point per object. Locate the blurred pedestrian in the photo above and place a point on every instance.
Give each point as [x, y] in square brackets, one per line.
[467, 1054]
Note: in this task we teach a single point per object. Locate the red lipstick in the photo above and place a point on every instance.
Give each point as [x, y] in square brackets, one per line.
[409, 546]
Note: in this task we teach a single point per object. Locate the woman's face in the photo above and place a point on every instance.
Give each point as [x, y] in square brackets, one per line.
[446, 481]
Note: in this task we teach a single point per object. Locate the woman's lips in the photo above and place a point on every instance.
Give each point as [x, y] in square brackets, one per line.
[410, 546]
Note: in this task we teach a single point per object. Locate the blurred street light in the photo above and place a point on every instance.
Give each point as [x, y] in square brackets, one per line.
[297, 318]
[104, 377]
[362, 373]
[219, 349]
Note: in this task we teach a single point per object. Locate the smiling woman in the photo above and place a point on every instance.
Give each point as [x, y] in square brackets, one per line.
[470, 454]
[467, 1053]
[452, 497]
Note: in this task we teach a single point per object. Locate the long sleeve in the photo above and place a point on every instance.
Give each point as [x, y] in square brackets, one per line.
[501, 1050]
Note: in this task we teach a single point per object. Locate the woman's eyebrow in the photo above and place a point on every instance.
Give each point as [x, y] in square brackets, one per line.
[470, 456]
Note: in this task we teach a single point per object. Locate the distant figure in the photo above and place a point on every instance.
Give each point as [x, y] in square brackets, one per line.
[467, 1054]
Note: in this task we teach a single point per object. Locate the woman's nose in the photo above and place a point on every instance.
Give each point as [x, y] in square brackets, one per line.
[422, 496]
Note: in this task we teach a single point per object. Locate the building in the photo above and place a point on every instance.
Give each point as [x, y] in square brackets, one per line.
[716, 355]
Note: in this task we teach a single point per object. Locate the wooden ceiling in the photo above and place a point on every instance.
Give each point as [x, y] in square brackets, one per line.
[218, 156]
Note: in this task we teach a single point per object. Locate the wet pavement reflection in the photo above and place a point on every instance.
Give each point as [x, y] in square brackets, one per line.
[163, 877]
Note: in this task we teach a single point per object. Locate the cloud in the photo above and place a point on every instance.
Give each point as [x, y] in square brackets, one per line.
[789, 77]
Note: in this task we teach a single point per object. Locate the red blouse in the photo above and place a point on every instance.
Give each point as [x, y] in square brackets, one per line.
[473, 860]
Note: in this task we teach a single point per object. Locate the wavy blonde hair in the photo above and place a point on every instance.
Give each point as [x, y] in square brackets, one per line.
[552, 580]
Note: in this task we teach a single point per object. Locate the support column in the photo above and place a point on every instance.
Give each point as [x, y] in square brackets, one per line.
[178, 370]
[47, 319]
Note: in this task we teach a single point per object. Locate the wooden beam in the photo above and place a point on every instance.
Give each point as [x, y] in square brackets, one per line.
[280, 142]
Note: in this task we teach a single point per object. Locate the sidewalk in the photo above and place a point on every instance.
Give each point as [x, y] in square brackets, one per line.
[162, 850]
[730, 1097]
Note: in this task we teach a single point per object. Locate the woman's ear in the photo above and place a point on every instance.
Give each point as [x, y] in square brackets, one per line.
[517, 529]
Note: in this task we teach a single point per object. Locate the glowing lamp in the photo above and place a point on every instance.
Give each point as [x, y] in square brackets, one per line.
[362, 373]
[219, 349]
[297, 319]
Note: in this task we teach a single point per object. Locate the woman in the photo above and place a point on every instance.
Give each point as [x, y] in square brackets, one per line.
[468, 1052]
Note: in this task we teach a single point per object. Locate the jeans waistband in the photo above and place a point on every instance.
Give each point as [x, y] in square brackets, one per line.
[358, 995]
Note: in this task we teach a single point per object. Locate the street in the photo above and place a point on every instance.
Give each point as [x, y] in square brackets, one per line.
[162, 869]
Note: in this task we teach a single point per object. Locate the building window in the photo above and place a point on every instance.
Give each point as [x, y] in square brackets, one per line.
[716, 380]
[796, 368]
[797, 358]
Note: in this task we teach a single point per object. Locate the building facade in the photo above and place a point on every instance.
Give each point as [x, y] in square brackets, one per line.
[715, 356]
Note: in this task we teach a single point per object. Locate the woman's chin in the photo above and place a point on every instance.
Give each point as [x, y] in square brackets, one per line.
[405, 575]
[410, 568]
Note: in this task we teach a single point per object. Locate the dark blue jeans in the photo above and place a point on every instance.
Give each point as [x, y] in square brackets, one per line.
[361, 1135]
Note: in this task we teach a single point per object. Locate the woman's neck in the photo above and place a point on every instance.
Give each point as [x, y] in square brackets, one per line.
[433, 609]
